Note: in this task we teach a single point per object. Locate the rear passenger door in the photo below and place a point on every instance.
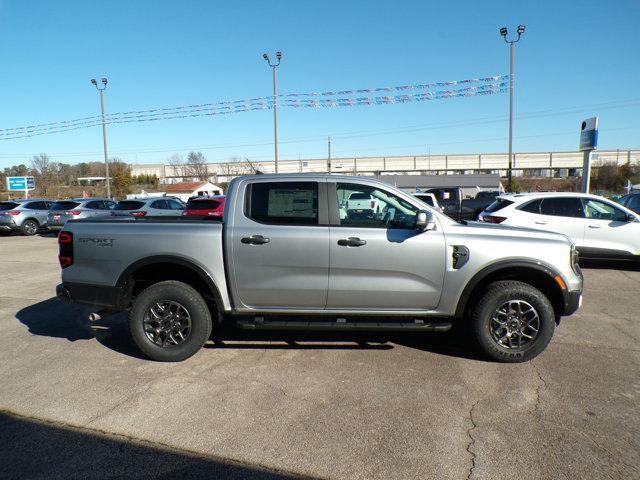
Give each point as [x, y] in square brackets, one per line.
[96, 207]
[160, 207]
[39, 211]
[278, 245]
[562, 215]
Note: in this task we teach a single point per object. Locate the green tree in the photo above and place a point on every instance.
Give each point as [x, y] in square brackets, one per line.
[121, 179]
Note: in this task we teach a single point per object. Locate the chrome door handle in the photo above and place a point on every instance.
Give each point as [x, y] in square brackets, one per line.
[255, 240]
[539, 222]
[351, 242]
[594, 226]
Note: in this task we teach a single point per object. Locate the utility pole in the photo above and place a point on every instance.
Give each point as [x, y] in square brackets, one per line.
[503, 33]
[274, 67]
[104, 130]
[329, 155]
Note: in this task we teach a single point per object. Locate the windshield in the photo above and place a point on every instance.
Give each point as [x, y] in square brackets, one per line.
[125, 205]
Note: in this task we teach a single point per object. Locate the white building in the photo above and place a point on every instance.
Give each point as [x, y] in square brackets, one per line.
[186, 190]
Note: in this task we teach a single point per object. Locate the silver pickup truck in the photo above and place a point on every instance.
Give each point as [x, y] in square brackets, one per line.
[286, 256]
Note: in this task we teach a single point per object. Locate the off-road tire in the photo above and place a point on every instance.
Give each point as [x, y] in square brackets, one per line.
[497, 294]
[29, 227]
[186, 296]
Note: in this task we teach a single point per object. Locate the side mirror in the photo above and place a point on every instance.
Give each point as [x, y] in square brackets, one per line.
[424, 221]
[631, 218]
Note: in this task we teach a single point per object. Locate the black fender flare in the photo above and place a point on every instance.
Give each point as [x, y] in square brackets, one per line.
[176, 260]
[550, 271]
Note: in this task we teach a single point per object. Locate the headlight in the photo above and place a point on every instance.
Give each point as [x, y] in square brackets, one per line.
[575, 258]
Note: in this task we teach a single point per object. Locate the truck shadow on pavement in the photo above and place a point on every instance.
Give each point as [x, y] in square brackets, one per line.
[52, 318]
[34, 448]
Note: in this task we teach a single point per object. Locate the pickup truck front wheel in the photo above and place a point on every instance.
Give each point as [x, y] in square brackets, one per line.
[513, 322]
[170, 321]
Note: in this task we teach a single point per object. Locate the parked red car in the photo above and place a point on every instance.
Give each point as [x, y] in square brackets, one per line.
[205, 206]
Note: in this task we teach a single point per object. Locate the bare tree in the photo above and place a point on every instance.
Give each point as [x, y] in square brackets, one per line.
[41, 164]
[176, 161]
[197, 166]
[46, 172]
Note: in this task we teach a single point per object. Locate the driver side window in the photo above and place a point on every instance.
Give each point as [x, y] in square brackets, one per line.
[598, 210]
[367, 206]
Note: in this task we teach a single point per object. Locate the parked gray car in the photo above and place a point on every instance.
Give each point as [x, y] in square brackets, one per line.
[25, 215]
[284, 256]
[151, 206]
[77, 208]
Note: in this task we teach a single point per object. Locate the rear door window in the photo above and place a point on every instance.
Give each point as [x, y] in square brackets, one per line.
[37, 206]
[160, 205]
[129, 205]
[532, 206]
[498, 204]
[283, 203]
[95, 205]
[175, 205]
[562, 207]
[64, 205]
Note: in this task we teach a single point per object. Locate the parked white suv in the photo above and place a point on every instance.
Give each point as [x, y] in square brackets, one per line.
[599, 228]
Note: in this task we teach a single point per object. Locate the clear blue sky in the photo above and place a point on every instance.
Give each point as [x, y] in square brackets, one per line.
[161, 53]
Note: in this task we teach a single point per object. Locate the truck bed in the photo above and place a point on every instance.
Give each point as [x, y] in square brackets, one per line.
[105, 248]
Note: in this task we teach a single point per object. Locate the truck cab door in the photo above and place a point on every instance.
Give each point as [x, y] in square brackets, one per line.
[382, 262]
[278, 245]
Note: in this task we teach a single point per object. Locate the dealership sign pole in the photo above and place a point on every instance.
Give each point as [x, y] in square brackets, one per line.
[588, 143]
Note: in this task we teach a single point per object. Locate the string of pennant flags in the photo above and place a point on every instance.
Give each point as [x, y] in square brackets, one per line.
[330, 99]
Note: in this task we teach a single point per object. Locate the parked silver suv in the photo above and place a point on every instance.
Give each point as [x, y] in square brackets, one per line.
[24, 215]
[151, 206]
[77, 208]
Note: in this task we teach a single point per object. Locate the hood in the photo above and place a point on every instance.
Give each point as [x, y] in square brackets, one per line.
[480, 228]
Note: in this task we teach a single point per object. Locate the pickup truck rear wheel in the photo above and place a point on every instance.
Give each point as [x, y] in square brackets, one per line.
[170, 321]
[513, 322]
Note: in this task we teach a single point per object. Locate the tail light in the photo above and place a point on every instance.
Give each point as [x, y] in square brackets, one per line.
[493, 219]
[73, 212]
[138, 214]
[373, 204]
[12, 212]
[65, 245]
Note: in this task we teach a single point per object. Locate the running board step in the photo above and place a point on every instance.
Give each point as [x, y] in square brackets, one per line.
[260, 323]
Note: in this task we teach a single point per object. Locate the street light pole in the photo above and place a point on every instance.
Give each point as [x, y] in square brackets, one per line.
[503, 33]
[274, 67]
[104, 130]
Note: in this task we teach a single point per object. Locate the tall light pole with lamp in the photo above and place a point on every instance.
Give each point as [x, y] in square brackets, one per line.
[104, 129]
[503, 33]
[274, 66]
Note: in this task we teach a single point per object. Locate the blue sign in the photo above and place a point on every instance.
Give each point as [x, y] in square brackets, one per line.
[16, 183]
[589, 134]
[21, 183]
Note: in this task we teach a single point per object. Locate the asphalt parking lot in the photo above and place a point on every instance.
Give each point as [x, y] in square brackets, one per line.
[78, 401]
